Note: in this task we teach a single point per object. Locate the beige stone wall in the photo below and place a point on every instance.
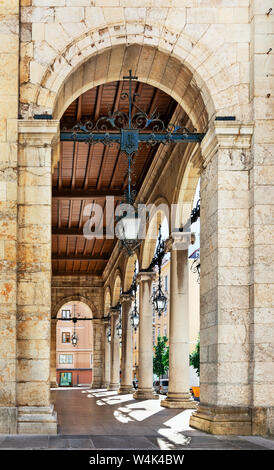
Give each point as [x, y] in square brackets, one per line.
[214, 58]
[9, 74]
[261, 210]
[212, 41]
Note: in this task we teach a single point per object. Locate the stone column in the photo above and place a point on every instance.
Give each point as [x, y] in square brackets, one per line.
[97, 367]
[106, 371]
[178, 387]
[53, 381]
[115, 353]
[145, 353]
[35, 412]
[261, 221]
[126, 363]
[8, 212]
[225, 353]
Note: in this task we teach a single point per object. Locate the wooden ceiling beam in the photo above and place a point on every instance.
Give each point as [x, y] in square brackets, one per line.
[98, 103]
[63, 257]
[73, 232]
[79, 108]
[68, 194]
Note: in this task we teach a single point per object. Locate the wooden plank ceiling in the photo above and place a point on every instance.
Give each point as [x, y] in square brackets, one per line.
[86, 174]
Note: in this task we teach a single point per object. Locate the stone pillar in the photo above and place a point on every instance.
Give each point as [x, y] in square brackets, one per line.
[106, 371]
[145, 353]
[35, 412]
[115, 353]
[53, 381]
[8, 212]
[97, 367]
[178, 387]
[126, 363]
[225, 354]
[261, 220]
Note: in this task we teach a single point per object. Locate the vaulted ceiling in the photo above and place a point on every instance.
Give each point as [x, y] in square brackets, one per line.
[87, 173]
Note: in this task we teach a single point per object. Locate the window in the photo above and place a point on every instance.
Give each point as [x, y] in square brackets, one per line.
[66, 314]
[65, 358]
[159, 332]
[91, 360]
[153, 316]
[165, 330]
[65, 337]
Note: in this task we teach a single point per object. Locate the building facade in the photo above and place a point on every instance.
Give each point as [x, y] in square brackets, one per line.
[205, 65]
[74, 363]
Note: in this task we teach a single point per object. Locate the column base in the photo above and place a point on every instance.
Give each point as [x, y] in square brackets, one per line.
[8, 420]
[222, 420]
[95, 386]
[53, 385]
[125, 389]
[105, 385]
[145, 394]
[36, 420]
[113, 386]
[179, 400]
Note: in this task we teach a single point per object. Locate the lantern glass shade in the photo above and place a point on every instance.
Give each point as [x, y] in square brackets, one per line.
[74, 339]
[159, 302]
[130, 227]
[135, 320]
[119, 330]
[108, 334]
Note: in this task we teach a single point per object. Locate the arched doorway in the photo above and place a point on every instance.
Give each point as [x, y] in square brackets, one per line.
[74, 345]
[67, 251]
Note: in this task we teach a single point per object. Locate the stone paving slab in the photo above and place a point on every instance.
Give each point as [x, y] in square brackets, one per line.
[118, 422]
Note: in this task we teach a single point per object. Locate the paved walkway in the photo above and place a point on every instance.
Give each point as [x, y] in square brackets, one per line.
[100, 419]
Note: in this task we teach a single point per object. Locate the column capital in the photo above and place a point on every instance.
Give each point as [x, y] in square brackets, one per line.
[180, 241]
[38, 132]
[226, 135]
[144, 276]
[113, 312]
[126, 297]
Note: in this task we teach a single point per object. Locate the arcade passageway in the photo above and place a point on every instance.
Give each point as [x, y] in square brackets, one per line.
[101, 419]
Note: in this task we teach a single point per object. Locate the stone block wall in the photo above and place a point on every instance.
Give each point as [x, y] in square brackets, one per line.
[9, 75]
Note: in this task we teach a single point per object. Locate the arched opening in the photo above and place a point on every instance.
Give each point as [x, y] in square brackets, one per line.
[86, 173]
[74, 345]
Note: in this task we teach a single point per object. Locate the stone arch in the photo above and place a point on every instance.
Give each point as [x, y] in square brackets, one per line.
[72, 298]
[148, 247]
[44, 88]
[117, 284]
[107, 301]
[129, 271]
[205, 54]
[186, 184]
[112, 64]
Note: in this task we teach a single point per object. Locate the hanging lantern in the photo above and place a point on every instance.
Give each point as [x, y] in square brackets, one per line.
[134, 315]
[159, 300]
[108, 330]
[74, 338]
[135, 319]
[119, 329]
[109, 336]
[128, 226]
